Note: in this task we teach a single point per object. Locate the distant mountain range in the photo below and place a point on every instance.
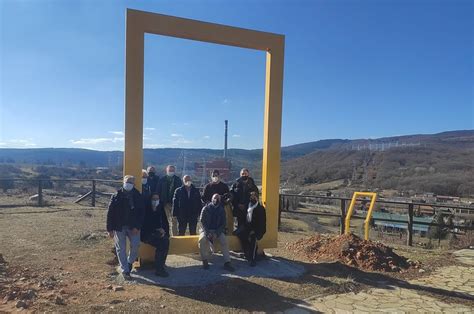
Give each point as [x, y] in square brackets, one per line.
[384, 161]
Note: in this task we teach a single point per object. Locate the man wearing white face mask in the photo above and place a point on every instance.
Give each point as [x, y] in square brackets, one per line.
[146, 189]
[187, 206]
[124, 220]
[216, 186]
[167, 186]
[212, 230]
[254, 228]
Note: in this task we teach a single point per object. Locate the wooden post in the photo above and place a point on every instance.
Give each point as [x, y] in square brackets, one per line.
[280, 208]
[40, 193]
[343, 216]
[93, 193]
[410, 225]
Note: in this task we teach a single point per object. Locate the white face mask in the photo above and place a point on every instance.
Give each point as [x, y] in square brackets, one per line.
[155, 203]
[171, 173]
[215, 179]
[144, 180]
[188, 183]
[128, 186]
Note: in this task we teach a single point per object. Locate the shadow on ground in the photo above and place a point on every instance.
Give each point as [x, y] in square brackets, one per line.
[370, 279]
[219, 287]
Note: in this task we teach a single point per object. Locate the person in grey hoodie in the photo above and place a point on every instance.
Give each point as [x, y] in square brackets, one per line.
[213, 222]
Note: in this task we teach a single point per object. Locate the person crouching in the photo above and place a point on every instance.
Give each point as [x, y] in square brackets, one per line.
[156, 232]
[212, 230]
[253, 229]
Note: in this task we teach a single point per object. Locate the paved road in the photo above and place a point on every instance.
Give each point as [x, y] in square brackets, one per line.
[407, 296]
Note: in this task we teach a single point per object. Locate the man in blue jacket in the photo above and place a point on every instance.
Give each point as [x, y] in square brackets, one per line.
[212, 230]
[124, 220]
[187, 206]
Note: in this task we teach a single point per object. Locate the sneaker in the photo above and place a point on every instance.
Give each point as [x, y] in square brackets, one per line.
[205, 264]
[253, 263]
[127, 276]
[162, 273]
[229, 267]
[130, 267]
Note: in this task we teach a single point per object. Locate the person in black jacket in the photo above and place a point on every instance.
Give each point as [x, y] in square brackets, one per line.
[124, 220]
[156, 232]
[167, 186]
[187, 206]
[153, 180]
[253, 229]
[216, 186]
[241, 195]
[146, 187]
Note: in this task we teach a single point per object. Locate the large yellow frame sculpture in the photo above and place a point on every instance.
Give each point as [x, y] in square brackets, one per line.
[137, 24]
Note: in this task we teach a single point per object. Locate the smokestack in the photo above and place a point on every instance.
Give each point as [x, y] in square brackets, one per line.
[225, 138]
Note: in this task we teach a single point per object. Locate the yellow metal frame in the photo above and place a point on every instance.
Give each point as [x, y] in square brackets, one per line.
[373, 197]
[137, 24]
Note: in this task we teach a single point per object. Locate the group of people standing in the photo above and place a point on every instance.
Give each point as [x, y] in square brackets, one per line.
[171, 203]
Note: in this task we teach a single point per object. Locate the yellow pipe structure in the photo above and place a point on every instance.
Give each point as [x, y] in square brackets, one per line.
[373, 197]
[137, 24]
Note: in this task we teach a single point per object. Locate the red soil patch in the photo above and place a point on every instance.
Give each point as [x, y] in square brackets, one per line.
[351, 250]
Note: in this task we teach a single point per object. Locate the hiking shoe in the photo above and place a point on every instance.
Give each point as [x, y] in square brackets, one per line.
[253, 263]
[162, 273]
[205, 264]
[229, 267]
[130, 267]
[126, 276]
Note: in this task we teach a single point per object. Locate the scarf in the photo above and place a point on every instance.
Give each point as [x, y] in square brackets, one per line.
[250, 211]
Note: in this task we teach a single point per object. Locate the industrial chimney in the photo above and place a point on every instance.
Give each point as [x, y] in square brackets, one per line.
[225, 138]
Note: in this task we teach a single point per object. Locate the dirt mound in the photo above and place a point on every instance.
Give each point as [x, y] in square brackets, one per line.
[350, 250]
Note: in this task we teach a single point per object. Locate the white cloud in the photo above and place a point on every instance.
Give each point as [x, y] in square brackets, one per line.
[207, 137]
[96, 141]
[150, 129]
[18, 143]
[180, 141]
[236, 135]
[176, 135]
[154, 146]
[116, 132]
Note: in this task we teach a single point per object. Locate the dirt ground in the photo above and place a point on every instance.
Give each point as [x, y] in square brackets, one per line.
[55, 259]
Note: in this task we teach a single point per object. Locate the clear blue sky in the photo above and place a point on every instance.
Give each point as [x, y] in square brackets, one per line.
[353, 69]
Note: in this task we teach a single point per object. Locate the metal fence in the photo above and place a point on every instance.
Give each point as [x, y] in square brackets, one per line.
[81, 191]
[71, 190]
[408, 207]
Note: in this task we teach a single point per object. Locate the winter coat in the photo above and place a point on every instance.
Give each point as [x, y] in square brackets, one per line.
[241, 194]
[212, 188]
[167, 188]
[154, 220]
[259, 222]
[187, 208]
[125, 209]
[213, 219]
[154, 183]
